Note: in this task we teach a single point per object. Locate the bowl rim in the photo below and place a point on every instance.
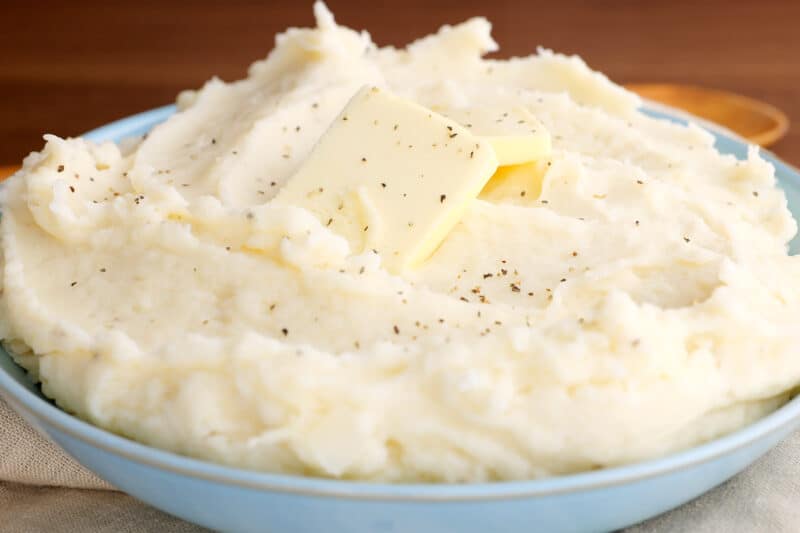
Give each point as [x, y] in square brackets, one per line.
[43, 411]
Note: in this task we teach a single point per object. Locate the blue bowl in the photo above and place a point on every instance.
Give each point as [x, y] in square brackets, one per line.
[238, 500]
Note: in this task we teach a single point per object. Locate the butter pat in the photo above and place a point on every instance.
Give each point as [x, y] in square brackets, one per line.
[514, 133]
[515, 182]
[392, 176]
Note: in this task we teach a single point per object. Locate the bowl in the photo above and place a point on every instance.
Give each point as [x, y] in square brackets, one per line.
[231, 499]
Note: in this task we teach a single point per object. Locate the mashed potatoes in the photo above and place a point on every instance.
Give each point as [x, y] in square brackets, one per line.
[642, 301]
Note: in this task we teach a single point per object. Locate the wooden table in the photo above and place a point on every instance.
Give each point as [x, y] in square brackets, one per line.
[66, 67]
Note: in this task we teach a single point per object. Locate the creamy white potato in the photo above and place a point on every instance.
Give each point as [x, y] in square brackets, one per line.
[641, 302]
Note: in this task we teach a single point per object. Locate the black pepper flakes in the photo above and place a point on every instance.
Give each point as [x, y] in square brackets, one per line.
[396, 330]
[71, 188]
[60, 168]
[514, 287]
[285, 332]
[442, 198]
[488, 275]
[73, 283]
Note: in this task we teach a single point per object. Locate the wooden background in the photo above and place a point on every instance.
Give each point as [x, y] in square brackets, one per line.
[67, 67]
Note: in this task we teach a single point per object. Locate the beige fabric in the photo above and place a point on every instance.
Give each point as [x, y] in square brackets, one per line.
[27, 457]
[34, 475]
[25, 508]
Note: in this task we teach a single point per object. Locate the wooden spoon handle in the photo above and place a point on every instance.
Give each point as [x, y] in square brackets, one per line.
[7, 171]
[759, 122]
